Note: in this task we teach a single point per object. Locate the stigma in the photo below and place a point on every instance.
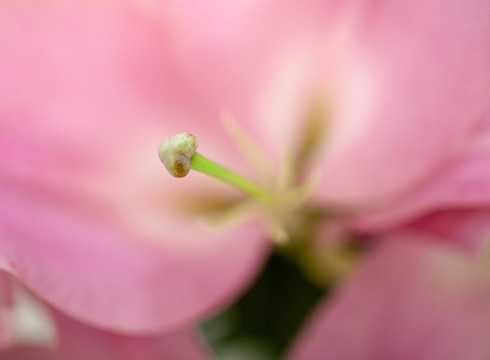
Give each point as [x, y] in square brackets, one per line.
[176, 153]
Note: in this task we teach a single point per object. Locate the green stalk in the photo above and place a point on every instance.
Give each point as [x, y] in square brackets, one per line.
[206, 166]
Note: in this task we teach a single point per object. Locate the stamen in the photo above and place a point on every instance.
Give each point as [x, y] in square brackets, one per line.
[178, 154]
[247, 146]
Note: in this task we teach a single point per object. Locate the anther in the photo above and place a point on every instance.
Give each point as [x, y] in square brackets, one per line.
[176, 153]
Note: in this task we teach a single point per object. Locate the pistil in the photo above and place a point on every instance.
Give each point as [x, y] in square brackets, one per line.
[178, 154]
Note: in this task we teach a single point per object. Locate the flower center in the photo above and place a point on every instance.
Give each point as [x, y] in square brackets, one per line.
[292, 220]
[282, 205]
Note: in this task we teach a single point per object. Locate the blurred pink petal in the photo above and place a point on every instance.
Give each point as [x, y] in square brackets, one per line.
[88, 216]
[77, 341]
[410, 300]
[408, 97]
[257, 59]
[461, 183]
[102, 274]
[467, 228]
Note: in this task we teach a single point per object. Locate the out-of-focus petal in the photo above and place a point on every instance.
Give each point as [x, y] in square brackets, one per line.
[88, 216]
[81, 342]
[410, 300]
[407, 96]
[462, 183]
[256, 59]
[113, 278]
[467, 228]
[77, 341]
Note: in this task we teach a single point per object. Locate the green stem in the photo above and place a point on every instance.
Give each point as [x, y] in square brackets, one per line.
[204, 165]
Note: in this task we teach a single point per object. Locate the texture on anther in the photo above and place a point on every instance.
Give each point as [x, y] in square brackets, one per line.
[176, 153]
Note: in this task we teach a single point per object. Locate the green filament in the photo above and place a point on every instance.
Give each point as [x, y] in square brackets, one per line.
[206, 166]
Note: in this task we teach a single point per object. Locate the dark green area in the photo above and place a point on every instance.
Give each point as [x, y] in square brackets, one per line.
[263, 322]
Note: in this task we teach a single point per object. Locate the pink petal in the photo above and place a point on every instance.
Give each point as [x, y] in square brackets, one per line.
[462, 183]
[467, 229]
[410, 300]
[113, 278]
[255, 59]
[89, 220]
[414, 84]
[77, 341]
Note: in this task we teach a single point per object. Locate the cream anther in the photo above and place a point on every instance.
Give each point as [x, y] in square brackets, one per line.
[176, 153]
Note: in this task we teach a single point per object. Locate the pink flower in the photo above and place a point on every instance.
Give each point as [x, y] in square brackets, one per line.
[89, 221]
